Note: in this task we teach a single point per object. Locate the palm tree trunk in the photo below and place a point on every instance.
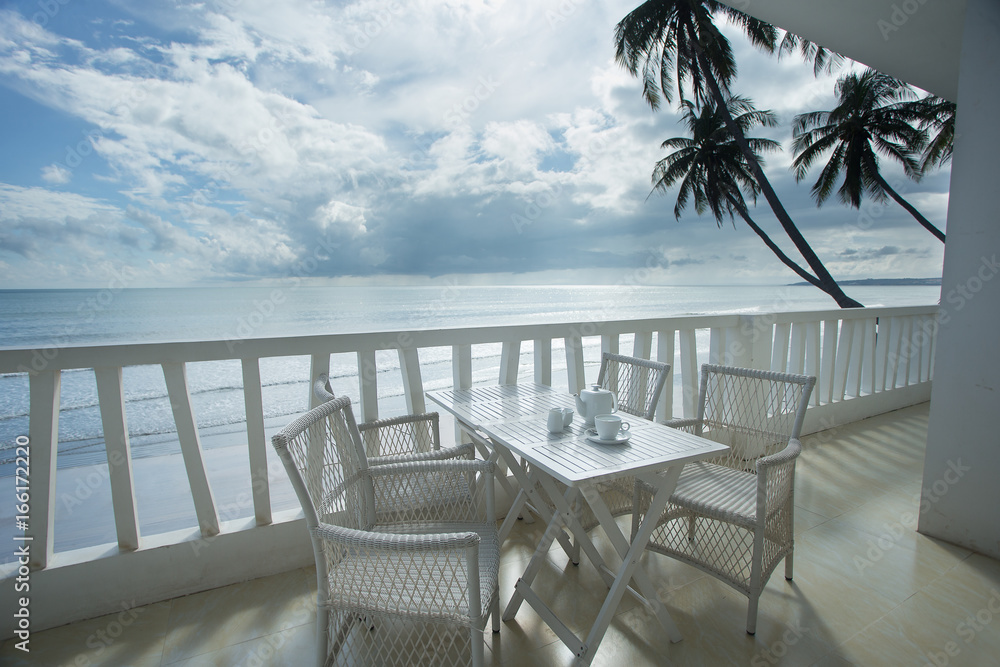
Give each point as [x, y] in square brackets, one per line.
[914, 212]
[826, 281]
[785, 259]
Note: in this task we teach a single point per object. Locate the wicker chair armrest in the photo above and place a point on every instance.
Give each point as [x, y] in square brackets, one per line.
[774, 478]
[459, 466]
[398, 542]
[321, 388]
[466, 451]
[682, 424]
[396, 421]
[786, 455]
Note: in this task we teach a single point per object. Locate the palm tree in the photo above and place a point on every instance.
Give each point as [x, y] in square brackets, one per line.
[874, 115]
[713, 170]
[676, 43]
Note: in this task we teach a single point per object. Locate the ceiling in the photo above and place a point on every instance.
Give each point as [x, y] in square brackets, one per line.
[918, 41]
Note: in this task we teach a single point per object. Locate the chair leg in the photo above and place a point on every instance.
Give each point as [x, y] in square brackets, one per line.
[756, 580]
[752, 613]
[574, 554]
[691, 527]
[322, 635]
[495, 612]
[478, 648]
[788, 565]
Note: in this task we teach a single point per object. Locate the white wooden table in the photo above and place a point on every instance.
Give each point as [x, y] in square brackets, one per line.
[513, 418]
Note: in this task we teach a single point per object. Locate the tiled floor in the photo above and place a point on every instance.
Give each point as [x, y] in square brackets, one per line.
[868, 590]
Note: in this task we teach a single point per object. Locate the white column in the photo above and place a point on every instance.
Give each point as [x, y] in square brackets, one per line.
[543, 361]
[510, 358]
[175, 375]
[413, 384]
[960, 490]
[253, 401]
[112, 401]
[43, 429]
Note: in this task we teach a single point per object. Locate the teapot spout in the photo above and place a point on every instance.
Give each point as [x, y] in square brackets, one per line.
[581, 407]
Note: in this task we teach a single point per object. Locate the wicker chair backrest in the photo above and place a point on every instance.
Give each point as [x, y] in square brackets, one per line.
[330, 463]
[754, 412]
[636, 382]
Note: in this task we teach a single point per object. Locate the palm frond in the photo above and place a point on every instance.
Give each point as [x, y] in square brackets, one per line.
[808, 148]
[806, 121]
[822, 58]
[939, 149]
[824, 185]
[936, 117]
[761, 34]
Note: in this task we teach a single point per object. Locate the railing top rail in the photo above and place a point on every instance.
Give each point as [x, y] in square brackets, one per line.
[135, 354]
[782, 317]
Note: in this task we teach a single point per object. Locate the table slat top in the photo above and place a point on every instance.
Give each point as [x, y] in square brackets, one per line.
[515, 417]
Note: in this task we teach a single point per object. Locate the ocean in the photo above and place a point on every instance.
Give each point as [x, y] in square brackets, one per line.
[58, 318]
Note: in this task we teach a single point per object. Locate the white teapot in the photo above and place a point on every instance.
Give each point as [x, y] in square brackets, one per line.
[595, 401]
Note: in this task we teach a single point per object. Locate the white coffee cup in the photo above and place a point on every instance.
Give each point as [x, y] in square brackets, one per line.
[608, 426]
[555, 421]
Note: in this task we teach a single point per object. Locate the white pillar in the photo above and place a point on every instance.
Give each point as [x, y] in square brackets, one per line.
[961, 491]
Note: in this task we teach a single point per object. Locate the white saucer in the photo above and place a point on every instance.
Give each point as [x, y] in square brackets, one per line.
[621, 439]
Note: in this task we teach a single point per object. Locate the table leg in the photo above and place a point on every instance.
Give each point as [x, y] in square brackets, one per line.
[564, 506]
[665, 482]
[534, 565]
[512, 515]
[527, 483]
[630, 565]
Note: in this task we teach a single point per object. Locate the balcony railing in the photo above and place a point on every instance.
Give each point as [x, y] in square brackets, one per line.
[867, 361]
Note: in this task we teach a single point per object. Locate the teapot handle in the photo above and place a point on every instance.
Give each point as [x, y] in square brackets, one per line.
[614, 402]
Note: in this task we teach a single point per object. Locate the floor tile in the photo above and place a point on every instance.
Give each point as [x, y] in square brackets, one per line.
[930, 628]
[884, 564]
[295, 647]
[208, 621]
[132, 636]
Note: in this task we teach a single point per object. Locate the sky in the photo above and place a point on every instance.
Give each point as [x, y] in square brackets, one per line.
[404, 142]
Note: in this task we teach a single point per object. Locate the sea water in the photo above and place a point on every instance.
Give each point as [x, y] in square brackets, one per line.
[45, 319]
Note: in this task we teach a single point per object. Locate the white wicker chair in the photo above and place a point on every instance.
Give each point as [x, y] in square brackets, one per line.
[407, 553]
[732, 517]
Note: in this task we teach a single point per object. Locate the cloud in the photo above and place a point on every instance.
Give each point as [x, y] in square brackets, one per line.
[56, 174]
[341, 219]
[23, 203]
[876, 253]
[166, 236]
[686, 261]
